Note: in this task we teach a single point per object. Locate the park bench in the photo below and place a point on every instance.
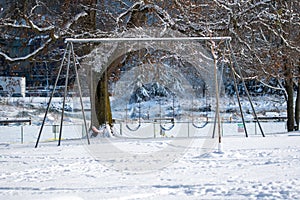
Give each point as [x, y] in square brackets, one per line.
[273, 118]
[11, 121]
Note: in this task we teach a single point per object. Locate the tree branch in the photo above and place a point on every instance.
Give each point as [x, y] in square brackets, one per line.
[28, 55]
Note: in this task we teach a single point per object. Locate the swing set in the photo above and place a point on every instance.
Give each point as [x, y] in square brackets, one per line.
[70, 60]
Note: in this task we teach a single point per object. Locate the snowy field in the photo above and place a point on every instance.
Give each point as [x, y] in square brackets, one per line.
[161, 168]
[183, 163]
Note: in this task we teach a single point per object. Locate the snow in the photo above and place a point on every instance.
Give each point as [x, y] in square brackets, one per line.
[183, 163]
[164, 168]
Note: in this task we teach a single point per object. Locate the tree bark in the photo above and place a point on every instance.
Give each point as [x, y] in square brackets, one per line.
[290, 96]
[297, 107]
[102, 103]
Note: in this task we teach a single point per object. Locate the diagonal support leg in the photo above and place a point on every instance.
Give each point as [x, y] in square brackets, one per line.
[239, 100]
[247, 92]
[80, 94]
[65, 94]
[52, 94]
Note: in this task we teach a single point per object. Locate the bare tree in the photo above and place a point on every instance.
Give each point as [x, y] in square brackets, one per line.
[272, 48]
[265, 33]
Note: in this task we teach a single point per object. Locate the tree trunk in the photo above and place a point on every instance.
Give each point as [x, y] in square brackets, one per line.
[290, 101]
[297, 107]
[102, 103]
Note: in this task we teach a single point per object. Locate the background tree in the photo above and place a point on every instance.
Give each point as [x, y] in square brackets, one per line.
[265, 33]
[33, 32]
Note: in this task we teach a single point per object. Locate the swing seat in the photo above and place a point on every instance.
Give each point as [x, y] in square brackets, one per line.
[133, 129]
[170, 127]
[202, 125]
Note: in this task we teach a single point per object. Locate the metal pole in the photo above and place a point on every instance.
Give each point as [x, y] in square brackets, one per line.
[52, 94]
[188, 123]
[55, 129]
[246, 90]
[255, 128]
[214, 128]
[145, 39]
[22, 134]
[64, 99]
[121, 128]
[80, 94]
[239, 101]
[219, 89]
[217, 93]
[154, 130]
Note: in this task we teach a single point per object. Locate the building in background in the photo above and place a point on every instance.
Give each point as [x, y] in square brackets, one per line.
[13, 86]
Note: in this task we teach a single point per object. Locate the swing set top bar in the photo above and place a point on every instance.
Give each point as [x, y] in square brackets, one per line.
[149, 39]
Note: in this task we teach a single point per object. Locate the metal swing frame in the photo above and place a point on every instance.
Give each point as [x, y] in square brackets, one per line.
[70, 51]
[70, 56]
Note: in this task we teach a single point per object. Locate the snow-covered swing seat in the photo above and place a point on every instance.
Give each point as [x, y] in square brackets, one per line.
[172, 120]
[139, 120]
[203, 123]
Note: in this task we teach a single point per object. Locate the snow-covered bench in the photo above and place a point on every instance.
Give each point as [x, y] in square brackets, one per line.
[273, 118]
[11, 121]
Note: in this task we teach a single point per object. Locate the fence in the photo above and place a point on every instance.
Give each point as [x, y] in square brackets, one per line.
[186, 129]
[28, 133]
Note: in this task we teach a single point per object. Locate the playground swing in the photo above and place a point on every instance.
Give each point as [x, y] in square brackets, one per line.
[205, 116]
[163, 127]
[70, 60]
[139, 120]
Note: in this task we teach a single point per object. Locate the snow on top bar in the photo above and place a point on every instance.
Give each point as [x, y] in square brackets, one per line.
[99, 40]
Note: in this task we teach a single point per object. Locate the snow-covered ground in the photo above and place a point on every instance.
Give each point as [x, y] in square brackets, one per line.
[183, 163]
[161, 168]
